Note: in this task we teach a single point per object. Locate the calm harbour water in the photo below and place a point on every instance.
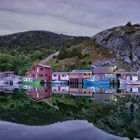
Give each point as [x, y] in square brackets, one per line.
[116, 111]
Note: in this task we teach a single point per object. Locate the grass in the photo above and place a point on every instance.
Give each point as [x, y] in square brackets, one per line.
[91, 53]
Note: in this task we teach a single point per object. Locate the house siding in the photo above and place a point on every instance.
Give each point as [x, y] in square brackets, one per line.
[103, 70]
[41, 73]
[60, 76]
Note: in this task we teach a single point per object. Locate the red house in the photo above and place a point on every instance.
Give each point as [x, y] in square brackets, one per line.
[41, 72]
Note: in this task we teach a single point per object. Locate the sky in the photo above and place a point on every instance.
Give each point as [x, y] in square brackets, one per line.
[71, 17]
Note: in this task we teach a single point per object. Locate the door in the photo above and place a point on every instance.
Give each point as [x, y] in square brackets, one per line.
[58, 77]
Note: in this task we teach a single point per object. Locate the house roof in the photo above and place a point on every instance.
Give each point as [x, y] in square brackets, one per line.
[80, 71]
[7, 72]
[42, 65]
[125, 72]
[103, 70]
[60, 72]
[103, 65]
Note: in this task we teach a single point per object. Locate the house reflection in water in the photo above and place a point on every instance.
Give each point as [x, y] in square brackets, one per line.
[6, 89]
[135, 89]
[107, 94]
[64, 89]
[39, 93]
[81, 92]
[96, 93]
[104, 97]
[99, 94]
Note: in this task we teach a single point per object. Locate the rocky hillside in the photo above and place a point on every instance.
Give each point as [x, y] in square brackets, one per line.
[124, 41]
[118, 45]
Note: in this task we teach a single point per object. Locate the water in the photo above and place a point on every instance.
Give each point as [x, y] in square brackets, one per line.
[70, 130]
[97, 93]
[115, 111]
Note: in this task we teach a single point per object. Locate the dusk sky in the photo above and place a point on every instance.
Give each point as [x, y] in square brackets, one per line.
[72, 17]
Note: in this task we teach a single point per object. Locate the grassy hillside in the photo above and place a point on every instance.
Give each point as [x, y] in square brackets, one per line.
[80, 56]
[20, 50]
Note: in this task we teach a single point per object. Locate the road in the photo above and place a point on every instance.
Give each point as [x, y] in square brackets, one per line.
[48, 58]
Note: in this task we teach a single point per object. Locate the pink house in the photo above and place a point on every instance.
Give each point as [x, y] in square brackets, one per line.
[41, 72]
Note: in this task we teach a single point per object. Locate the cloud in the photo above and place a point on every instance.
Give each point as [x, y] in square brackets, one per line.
[21, 22]
[73, 17]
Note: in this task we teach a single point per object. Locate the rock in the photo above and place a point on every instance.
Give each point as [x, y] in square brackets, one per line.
[127, 60]
[124, 41]
[135, 58]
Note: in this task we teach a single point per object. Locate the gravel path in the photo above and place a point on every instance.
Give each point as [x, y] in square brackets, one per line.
[48, 58]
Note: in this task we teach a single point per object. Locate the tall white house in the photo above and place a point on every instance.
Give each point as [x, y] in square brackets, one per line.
[60, 76]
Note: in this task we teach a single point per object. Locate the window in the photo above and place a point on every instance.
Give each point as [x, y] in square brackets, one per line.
[46, 75]
[85, 74]
[41, 69]
[54, 75]
[63, 75]
[33, 69]
[33, 75]
[41, 75]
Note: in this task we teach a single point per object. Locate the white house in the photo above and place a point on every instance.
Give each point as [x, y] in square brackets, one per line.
[60, 76]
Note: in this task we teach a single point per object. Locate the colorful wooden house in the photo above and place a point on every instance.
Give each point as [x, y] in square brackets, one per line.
[60, 76]
[127, 75]
[103, 69]
[7, 74]
[77, 76]
[132, 78]
[41, 72]
[103, 72]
